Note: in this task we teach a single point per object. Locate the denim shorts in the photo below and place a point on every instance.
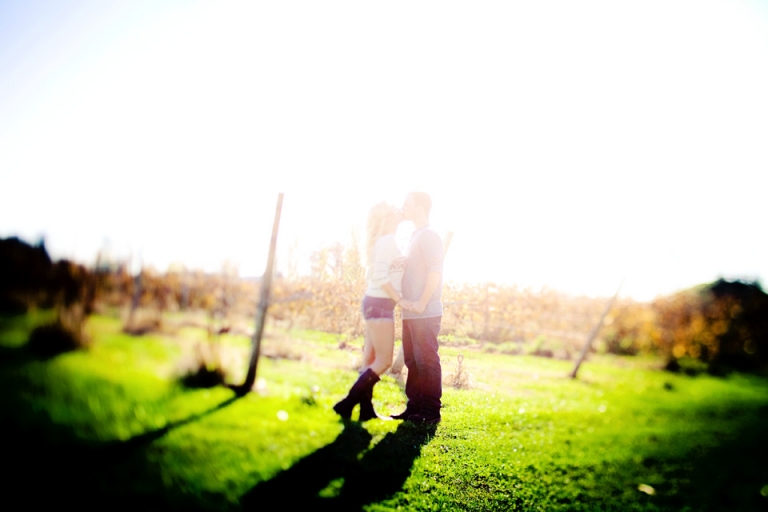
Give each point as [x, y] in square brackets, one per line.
[377, 307]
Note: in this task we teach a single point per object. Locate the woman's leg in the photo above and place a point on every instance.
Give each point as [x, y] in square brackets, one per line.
[381, 334]
[381, 337]
[377, 357]
[368, 350]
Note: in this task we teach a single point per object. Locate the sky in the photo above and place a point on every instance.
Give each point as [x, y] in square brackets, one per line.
[567, 145]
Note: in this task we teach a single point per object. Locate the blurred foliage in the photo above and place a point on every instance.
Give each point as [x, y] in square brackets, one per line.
[723, 325]
[29, 279]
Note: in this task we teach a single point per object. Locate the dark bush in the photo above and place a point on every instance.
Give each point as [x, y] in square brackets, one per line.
[25, 274]
[50, 340]
[686, 365]
[722, 325]
[53, 339]
[744, 345]
[203, 369]
[10, 303]
[204, 377]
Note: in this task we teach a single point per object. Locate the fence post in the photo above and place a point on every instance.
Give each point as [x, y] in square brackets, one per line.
[261, 309]
[593, 334]
[136, 299]
[486, 314]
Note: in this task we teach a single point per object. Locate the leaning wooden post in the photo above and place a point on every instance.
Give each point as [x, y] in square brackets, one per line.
[593, 334]
[261, 309]
[447, 243]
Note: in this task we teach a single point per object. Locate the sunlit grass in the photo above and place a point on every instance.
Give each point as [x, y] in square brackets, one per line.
[623, 436]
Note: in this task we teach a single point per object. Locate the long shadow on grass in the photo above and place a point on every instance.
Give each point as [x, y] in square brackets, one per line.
[336, 478]
[52, 466]
[118, 448]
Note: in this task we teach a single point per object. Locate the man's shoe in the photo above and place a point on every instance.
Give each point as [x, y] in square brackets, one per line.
[367, 413]
[405, 415]
[422, 419]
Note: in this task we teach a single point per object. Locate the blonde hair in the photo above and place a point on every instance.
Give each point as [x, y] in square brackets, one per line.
[379, 219]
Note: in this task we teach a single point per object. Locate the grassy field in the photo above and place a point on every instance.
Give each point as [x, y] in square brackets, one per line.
[111, 427]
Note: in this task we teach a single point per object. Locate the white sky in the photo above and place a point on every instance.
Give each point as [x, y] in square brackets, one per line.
[566, 144]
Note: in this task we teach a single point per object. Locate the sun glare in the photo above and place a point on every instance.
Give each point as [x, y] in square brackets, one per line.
[564, 144]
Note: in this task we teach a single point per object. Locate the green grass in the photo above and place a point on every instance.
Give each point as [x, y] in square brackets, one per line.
[111, 427]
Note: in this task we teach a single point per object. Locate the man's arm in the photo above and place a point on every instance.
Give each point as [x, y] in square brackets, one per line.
[433, 279]
[432, 249]
[390, 290]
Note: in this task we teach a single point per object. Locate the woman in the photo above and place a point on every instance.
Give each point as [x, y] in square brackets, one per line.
[385, 272]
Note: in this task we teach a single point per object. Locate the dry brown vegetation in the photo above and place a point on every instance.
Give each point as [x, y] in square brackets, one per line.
[722, 324]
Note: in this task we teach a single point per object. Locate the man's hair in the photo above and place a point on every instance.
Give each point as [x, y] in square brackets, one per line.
[422, 200]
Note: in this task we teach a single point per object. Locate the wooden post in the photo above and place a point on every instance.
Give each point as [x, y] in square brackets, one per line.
[486, 315]
[593, 334]
[136, 299]
[261, 309]
[447, 243]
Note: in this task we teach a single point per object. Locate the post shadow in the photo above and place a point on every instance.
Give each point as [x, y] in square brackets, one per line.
[128, 446]
[52, 466]
[379, 474]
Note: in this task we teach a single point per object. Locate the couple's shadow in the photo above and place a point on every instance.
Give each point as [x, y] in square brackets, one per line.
[377, 475]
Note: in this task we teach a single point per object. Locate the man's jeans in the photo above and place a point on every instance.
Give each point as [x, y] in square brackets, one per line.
[424, 387]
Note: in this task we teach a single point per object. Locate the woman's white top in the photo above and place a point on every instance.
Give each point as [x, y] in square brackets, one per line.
[388, 267]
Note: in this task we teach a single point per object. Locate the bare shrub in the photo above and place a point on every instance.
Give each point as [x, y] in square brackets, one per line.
[459, 378]
[280, 347]
[204, 369]
[398, 363]
[143, 321]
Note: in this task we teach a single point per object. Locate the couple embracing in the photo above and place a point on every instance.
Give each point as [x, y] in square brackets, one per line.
[414, 283]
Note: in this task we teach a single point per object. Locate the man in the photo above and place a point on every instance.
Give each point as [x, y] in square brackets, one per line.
[422, 314]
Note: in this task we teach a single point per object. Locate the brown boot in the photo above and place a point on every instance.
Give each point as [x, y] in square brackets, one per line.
[366, 407]
[357, 394]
